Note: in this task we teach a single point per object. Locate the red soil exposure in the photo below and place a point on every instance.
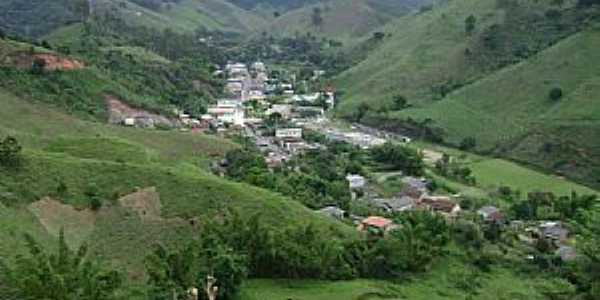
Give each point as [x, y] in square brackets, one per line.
[55, 62]
[119, 111]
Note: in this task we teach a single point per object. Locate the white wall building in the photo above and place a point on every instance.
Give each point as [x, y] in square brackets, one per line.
[229, 112]
[356, 181]
[289, 133]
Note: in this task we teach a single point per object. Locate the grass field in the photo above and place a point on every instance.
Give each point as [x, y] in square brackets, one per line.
[492, 173]
[445, 282]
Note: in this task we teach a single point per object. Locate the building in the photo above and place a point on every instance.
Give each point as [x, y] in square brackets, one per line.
[554, 232]
[228, 112]
[401, 204]
[491, 214]
[356, 181]
[377, 224]
[414, 187]
[129, 122]
[236, 69]
[234, 86]
[333, 211]
[440, 204]
[289, 134]
[306, 98]
[566, 253]
[285, 110]
[259, 67]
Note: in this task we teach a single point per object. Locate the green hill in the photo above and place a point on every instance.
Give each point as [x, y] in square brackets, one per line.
[492, 84]
[187, 15]
[341, 19]
[40, 17]
[65, 157]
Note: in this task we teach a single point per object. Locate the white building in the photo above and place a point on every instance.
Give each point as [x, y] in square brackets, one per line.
[356, 181]
[228, 112]
[236, 69]
[285, 110]
[306, 98]
[259, 66]
[289, 133]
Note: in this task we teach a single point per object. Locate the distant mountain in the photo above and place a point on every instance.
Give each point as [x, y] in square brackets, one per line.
[283, 5]
[343, 19]
[37, 18]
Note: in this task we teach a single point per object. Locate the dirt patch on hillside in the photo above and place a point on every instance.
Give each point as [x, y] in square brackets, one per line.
[53, 62]
[120, 113]
[54, 215]
[431, 156]
[145, 202]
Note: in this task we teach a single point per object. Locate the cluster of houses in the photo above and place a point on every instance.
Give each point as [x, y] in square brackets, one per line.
[415, 196]
[249, 90]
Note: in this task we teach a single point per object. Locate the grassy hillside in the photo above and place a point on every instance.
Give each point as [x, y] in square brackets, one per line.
[493, 84]
[510, 112]
[66, 157]
[137, 76]
[444, 282]
[35, 18]
[492, 173]
[187, 15]
[40, 17]
[341, 20]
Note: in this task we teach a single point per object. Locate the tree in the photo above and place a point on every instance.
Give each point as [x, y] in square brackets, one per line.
[82, 8]
[378, 35]
[362, 111]
[276, 14]
[587, 3]
[92, 192]
[172, 274]
[2, 34]
[410, 248]
[58, 276]
[555, 94]
[400, 102]
[317, 17]
[10, 153]
[468, 143]
[470, 23]
[399, 157]
[46, 44]
[38, 66]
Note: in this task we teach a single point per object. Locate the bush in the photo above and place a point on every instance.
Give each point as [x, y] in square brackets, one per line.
[468, 143]
[38, 67]
[399, 157]
[556, 94]
[10, 153]
[93, 193]
[470, 23]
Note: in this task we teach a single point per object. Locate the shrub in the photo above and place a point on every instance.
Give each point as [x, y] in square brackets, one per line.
[93, 193]
[38, 66]
[468, 143]
[470, 24]
[10, 152]
[556, 94]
